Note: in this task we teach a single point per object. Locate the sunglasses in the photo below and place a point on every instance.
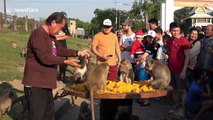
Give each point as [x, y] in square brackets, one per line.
[107, 26]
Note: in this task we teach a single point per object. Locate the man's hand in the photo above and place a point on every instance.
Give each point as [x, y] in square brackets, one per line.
[140, 60]
[72, 62]
[106, 57]
[165, 56]
[84, 53]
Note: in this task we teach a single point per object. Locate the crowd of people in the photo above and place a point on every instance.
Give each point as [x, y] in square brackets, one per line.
[190, 60]
[186, 57]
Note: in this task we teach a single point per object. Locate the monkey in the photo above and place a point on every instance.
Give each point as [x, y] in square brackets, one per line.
[13, 44]
[6, 102]
[96, 80]
[160, 74]
[24, 53]
[90, 66]
[79, 72]
[59, 90]
[126, 71]
[84, 112]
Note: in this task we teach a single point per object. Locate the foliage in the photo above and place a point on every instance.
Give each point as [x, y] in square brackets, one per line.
[100, 15]
[181, 14]
[145, 9]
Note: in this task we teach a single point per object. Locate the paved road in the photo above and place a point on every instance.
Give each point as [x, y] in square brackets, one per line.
[156, 111]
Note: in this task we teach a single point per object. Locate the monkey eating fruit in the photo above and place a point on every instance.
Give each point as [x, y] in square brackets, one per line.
[160, 74]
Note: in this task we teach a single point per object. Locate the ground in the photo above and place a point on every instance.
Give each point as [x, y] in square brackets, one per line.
[158, 109]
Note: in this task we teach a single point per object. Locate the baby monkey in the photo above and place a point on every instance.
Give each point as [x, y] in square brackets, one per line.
[96, 80]
[79, 72]
[126, 71]
[160, 74]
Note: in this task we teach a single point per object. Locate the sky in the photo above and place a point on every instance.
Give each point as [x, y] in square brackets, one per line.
[81, 9]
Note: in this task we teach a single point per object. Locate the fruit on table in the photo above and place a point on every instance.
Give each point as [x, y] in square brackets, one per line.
[118, 87]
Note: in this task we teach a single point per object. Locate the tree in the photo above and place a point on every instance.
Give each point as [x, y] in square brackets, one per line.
[100, 15]
[146, 9]
[181, 14]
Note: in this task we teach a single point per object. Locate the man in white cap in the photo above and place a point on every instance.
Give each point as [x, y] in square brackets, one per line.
[106, 47]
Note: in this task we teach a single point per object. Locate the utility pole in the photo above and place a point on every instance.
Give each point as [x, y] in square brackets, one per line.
[116, 12]
[5, 13]
[116, 16]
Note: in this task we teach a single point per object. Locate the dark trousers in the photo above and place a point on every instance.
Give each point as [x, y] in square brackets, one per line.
[63, 68]
[40, 103]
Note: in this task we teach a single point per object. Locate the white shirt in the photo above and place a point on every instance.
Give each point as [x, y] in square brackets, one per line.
[160, 50]
[127, 41]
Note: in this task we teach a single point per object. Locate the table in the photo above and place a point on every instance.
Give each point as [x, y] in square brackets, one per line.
[113, 104]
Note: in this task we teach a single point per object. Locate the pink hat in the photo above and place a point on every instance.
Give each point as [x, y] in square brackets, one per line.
[139, 33]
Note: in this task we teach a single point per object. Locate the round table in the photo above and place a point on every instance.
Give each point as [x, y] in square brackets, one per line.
[111, 104]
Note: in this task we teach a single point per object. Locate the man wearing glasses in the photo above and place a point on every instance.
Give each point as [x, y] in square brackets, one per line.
[106, 47]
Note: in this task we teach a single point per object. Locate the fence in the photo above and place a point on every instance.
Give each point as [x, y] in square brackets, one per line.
[14, 23]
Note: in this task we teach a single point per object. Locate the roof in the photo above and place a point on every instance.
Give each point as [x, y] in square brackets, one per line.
[200, 16]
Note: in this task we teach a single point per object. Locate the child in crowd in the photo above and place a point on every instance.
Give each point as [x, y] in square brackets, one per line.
[136, 51]
[137, 46]
[197, 100]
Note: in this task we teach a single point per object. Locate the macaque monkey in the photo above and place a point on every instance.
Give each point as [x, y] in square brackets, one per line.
[84, 112]
[160, 74]
[79, 72]
[58, 90]
[6, 102]
[96, 80]
[24, 52]
[13, 44]
[126, 71]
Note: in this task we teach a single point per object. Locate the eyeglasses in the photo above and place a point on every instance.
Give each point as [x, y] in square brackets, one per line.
[107, 26]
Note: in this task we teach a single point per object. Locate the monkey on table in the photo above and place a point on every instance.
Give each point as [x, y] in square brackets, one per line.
[160, 74]
[126, 71]
[96, 80]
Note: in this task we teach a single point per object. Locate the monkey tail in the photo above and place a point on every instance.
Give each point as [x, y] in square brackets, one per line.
[92, 104]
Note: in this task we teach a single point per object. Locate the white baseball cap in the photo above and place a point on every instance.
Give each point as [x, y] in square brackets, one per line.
[151, 33]
[107, 22]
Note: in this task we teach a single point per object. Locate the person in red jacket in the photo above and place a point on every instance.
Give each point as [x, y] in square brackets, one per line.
[137, 46]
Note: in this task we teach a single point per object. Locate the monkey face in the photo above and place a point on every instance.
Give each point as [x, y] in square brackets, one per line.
[149, 65]
[105, 65]
[125, 66]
